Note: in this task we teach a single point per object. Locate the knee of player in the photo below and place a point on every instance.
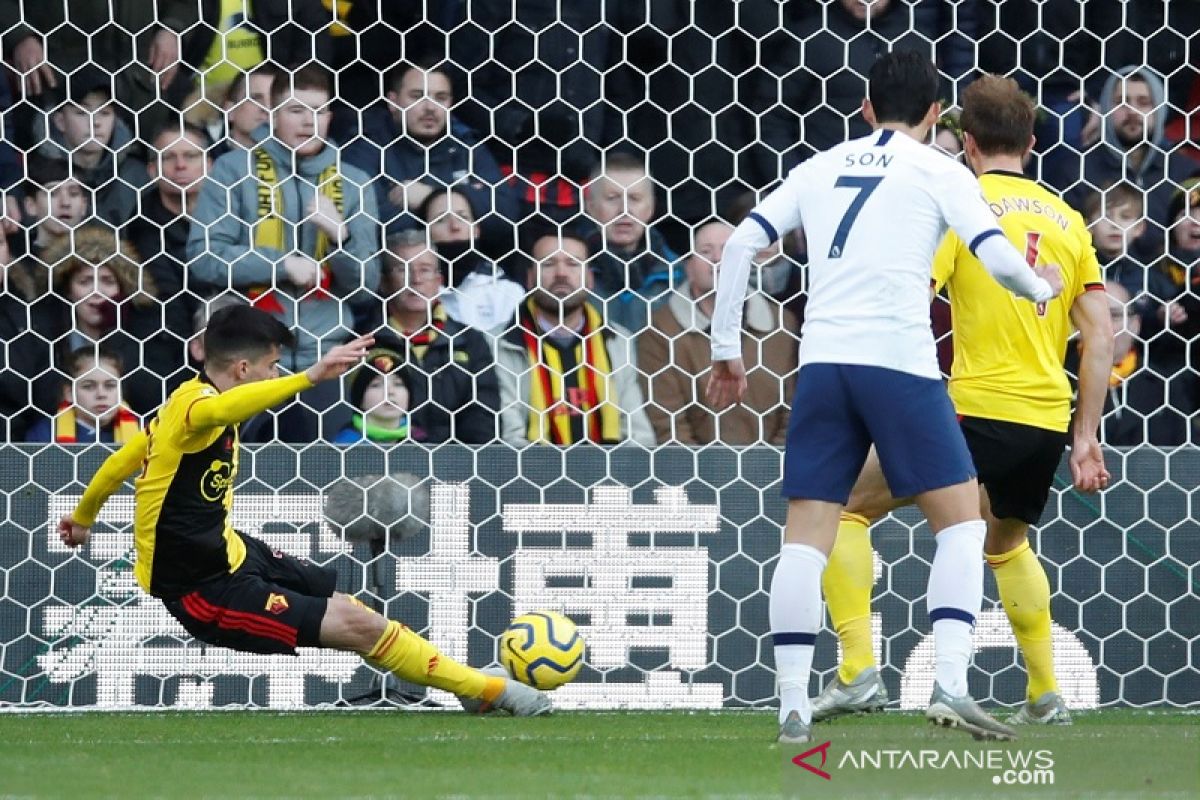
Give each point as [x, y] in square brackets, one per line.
[353, 622]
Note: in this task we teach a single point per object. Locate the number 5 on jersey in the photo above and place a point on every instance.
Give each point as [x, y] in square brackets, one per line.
[864, 186]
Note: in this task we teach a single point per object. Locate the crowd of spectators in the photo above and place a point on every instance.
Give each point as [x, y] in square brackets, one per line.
[525, 201]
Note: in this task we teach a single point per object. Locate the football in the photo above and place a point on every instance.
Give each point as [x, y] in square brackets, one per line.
[542, 649]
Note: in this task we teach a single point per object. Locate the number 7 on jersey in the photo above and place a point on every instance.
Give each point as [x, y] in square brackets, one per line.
[864, 186]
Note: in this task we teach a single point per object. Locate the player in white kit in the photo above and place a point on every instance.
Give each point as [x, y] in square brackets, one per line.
[873, 211]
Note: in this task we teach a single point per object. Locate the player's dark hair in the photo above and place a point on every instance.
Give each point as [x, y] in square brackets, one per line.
[998, 115]
[902, 85]
[242, 331]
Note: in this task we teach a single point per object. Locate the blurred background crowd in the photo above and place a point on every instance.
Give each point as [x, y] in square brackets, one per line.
[525, 200]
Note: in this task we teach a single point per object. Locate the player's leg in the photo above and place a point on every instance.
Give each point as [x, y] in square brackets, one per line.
[1017, 465]
[924, 455]
[826, 447]
[1025, 594]
[847, 583]
[346, 623]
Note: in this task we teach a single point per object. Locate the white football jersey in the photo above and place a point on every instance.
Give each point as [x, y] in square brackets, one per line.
[873, 211]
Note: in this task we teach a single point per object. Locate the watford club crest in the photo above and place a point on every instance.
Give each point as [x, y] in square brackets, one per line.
[276, 603]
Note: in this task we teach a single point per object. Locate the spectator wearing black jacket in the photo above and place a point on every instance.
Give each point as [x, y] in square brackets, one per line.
[452, 378]
[417, 145]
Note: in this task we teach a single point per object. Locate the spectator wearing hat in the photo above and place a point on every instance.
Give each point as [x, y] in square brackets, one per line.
[86, 134]
[1133, 148]
[380, 396]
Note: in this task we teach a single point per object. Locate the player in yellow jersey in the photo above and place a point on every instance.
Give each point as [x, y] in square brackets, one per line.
[1013, 398]
[230, 589]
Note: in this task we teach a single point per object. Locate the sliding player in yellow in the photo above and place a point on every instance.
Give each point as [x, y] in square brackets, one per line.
[230, 589]
[1014, 404]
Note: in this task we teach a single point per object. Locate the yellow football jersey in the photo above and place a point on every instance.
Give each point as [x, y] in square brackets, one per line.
[182, 498]
[185, 460]
[1009, 352]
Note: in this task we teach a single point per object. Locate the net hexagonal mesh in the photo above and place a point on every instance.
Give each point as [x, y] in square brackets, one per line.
[451, 176]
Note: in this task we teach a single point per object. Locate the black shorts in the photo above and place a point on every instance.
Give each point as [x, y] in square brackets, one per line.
[1016, 464]
[273, 603]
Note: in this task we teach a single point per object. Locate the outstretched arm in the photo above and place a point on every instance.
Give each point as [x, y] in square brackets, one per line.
[1091, 317]
[242, 402]
[75, 528]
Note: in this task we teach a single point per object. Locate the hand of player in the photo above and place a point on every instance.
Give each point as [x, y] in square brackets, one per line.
[1052, 274]
[29, 57]
[726, 383]
[1087, 465]
[339, 360]
[323, 213]
[301, 271]
[72, 533]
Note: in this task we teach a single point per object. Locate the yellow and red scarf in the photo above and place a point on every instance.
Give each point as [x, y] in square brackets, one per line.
[269, 229]
[124, 425]
[421, 338]
[587, 385]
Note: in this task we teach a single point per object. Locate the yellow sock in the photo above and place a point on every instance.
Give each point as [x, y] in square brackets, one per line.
[416, 660]
[1025, 593]
[847, 583]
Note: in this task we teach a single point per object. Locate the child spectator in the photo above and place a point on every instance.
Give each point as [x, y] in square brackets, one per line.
[91, 409]
[379, 393]
[54, 203]
[1116, 216]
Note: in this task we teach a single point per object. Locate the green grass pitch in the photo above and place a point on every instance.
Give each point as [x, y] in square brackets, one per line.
[1118, 754]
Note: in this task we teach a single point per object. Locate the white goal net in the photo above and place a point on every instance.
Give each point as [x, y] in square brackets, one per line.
[161, 159]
